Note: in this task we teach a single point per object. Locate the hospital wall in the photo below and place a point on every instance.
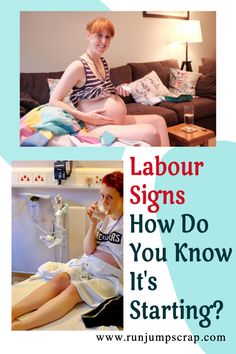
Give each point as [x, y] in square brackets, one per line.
[49, 41]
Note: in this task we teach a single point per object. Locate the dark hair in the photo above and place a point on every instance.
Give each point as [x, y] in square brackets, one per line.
[114, 180]
[99, 24]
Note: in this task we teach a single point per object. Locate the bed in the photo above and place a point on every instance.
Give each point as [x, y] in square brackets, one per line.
[71, 321]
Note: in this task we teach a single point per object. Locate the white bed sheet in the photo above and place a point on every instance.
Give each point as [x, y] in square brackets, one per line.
[71, 321]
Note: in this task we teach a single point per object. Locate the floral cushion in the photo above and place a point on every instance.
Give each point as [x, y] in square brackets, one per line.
[148, 89]
[183, 81]
[52, 83]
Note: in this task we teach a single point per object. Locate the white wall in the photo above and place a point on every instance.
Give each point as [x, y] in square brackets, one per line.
[88, 164]
[51, 40]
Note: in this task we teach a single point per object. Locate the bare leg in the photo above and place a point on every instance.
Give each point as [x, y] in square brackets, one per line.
[157, 121]
[50, 311]
[143, 132]
[41, 295]
[148, 128]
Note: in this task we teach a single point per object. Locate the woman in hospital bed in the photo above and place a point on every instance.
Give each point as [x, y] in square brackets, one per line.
[97, 102]
[97, 277]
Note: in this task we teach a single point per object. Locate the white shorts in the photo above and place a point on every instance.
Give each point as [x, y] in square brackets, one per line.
[95, 279]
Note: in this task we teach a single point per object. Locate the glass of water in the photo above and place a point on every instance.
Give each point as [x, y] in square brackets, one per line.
[189, 117]
[101, 210]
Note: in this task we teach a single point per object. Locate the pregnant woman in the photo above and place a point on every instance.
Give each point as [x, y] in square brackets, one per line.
[96, 101]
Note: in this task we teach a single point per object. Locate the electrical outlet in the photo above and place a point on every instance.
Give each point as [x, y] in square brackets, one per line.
[39, 179]
[98, 180]
[89, 180]
[25, 178]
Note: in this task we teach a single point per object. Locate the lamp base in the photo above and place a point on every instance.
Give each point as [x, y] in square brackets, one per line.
[187, 64]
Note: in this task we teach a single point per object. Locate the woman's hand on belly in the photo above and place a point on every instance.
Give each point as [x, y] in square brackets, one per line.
[104, 111]
[96, 117]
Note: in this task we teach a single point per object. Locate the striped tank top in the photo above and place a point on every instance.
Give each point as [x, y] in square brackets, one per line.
[93, 86]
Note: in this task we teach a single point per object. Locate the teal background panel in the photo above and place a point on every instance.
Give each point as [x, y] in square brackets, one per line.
[210, 196]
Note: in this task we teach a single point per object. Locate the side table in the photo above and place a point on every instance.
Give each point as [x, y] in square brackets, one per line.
[179, 137]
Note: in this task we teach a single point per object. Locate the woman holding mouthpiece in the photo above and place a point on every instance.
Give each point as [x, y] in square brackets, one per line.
[96, 100]
[97, 277]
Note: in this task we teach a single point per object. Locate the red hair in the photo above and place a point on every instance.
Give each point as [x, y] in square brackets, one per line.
[114, 180]
[99, 25]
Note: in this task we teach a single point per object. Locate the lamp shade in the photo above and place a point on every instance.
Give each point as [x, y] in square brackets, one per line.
[187, 31]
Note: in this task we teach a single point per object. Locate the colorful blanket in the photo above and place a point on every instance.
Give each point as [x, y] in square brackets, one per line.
[44, 122]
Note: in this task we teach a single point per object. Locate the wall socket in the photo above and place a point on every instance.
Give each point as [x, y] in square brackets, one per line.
[25, 178]
[39, 179]
[89, 181]
[98, 180]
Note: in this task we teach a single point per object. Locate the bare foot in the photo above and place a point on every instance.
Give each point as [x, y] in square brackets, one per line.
[16, 325]
[13, 315]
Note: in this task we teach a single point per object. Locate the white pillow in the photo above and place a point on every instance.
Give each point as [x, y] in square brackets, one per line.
[183, 81]
[52, 83]
[147, 89]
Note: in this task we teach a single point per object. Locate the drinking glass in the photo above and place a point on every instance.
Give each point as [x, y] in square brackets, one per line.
[101, 211]
[189, 117]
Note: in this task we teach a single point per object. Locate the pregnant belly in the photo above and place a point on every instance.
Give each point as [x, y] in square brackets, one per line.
[114, 107]
[106, 257]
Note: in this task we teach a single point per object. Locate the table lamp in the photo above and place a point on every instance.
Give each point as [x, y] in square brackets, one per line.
[187, 32]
